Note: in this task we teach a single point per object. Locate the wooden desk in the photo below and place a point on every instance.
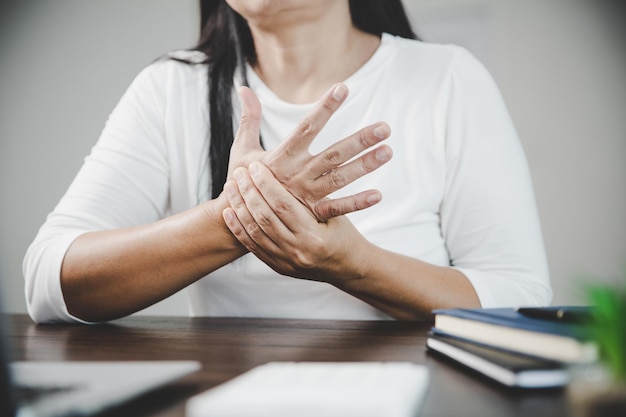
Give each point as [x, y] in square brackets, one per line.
[229, 346]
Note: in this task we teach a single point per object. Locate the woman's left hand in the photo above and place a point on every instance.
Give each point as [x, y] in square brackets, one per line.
[311, 178]
[275, 226]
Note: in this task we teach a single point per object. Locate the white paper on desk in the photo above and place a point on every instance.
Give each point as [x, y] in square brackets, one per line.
[317, 389]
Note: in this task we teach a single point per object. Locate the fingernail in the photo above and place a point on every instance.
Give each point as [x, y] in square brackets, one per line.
[383, 154]
[373, 198]
[381, 131]
[237, 174]
[340, 92]
[254, 169]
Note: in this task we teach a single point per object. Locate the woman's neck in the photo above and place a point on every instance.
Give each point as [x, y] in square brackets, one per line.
[300, 60]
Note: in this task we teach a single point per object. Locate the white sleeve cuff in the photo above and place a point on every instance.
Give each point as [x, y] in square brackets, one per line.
[506, 290]
[42, 272]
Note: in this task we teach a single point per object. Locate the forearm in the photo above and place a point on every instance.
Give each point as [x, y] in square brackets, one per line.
[404, 287]
[110, 274]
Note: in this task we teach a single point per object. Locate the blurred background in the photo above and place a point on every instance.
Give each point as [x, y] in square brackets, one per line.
[560, 65]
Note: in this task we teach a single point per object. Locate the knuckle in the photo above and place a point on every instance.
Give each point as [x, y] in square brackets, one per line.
[367, 164]
[307, 127]
[364, 139]
[337, 179]
[336, 208]
[333, 157]
[335, 211]
[241, 233]
[281, 207]
[329, 106]
[308, 258]
[245, 120]
[254, 231]
[263, 219]
[250, 246]
[323, 211]
[304, 260]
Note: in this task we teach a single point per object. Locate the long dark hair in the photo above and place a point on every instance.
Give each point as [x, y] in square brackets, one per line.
[227, 43]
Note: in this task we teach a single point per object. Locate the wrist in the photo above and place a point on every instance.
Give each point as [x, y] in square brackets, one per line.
[215, 227]
[355, 265]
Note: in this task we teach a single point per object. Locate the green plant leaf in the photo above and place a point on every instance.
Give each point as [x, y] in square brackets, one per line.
[608, 326]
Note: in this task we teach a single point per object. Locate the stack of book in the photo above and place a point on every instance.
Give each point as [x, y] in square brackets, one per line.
[526, 347]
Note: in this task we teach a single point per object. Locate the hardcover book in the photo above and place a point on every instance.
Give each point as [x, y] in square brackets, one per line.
[508, 368]
[542, 334]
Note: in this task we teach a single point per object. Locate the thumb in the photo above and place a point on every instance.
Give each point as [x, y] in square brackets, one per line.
[249, 124]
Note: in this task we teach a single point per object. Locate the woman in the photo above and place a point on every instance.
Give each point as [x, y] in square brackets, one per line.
[149, 215]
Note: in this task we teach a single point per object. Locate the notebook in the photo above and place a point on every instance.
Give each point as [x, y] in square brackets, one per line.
[519, 331]
[318, 389]
[56, 389]
[506, 367]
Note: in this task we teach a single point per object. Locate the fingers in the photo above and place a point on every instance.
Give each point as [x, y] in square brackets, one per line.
[308, 178]
[268, 206]
[347, 148]
[238, 230]
[301, 138]
[328, 208]
[249, 124]
[241, 223]
[329, 173]
[288, 211]
[266, 215]
[345, 174]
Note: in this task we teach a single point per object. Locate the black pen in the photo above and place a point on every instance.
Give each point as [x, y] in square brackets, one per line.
[565, 314]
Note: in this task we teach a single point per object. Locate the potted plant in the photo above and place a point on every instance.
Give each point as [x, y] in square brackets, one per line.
[600, 390]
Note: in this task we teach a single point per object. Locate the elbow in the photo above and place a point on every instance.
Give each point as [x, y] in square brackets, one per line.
[502, 289]
[41, 309]
[42, 289]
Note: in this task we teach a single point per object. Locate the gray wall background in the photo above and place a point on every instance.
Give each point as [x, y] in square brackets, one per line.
[560, 64]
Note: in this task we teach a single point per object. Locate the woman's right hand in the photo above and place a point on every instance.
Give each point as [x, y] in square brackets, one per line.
[311, 178]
